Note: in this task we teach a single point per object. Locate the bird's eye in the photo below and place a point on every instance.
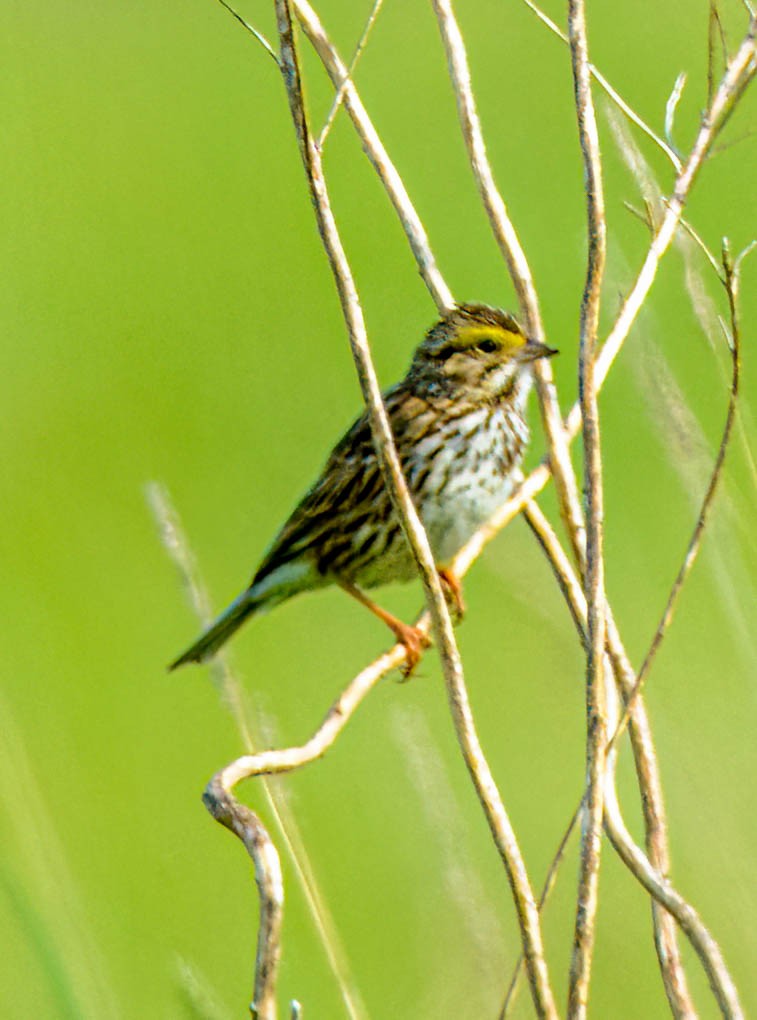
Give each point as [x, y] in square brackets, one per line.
[445, 352]
[488, 346]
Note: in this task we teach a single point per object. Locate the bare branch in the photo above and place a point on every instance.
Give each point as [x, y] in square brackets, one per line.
[655, 828]
[596, 723]
[660, 888]
[245, 824]
[611, 92]
[353, 316]
[738, 75]
[549, 884]
[252, 30]
[672, 106]
[378, 156]
[671, 964]
[339, 96]
[263, 763]
[502, 227]
[715, 34]
[730, 280]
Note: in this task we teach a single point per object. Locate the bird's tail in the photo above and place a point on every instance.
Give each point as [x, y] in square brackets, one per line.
[219, 632]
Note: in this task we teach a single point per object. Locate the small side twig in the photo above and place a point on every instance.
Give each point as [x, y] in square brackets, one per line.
[663, 892]
[253, 32]
[339, 95]
[738, 75]
[549, 884]
[671, 107]
[376, 152]
[600, 79]
[730, 280]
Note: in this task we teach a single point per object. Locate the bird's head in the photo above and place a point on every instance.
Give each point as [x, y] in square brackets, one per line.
[479, 351]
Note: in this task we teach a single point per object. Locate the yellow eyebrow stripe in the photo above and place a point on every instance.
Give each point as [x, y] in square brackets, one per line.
[469, 336]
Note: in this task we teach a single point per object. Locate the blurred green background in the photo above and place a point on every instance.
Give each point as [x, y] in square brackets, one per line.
[168, 314]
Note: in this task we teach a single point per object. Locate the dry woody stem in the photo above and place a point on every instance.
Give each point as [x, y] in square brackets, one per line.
[374, 148]
[249, 829]
[730, 280]
[596, 721]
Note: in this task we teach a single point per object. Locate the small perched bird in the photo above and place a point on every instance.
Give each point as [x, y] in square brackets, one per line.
[458, 419]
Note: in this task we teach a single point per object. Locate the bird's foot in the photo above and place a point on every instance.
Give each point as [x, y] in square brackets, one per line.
[413, 638]
[415, 641]
[453, 590]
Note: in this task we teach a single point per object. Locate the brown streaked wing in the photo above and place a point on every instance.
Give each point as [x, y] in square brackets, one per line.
[350, 493]
[324, 519]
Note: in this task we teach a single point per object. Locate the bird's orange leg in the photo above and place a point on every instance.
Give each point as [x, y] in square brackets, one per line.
[411, 637]
[453, 589]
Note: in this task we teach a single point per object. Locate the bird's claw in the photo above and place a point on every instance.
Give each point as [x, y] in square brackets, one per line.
[415, 641]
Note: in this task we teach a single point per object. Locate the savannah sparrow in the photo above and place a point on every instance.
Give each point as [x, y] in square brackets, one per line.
[459, 425]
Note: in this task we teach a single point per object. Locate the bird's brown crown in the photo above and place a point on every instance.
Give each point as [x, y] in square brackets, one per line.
[472, 326]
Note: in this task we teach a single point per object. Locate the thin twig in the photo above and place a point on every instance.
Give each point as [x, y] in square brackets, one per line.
[253, 31]
[596, 722]
[656, 839]
[737, 77]
[277, 762]
[645, 759]
[245, 824]
[730, 280]
[378, 156]
[671, 107]
[660, 888]
[715, 28]
[611, 92]
[549, 884]
[687, 918]
[380, 428]
[339, 96]
[394, 185]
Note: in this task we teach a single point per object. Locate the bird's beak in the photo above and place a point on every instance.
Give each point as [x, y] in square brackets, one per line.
[534, 349]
